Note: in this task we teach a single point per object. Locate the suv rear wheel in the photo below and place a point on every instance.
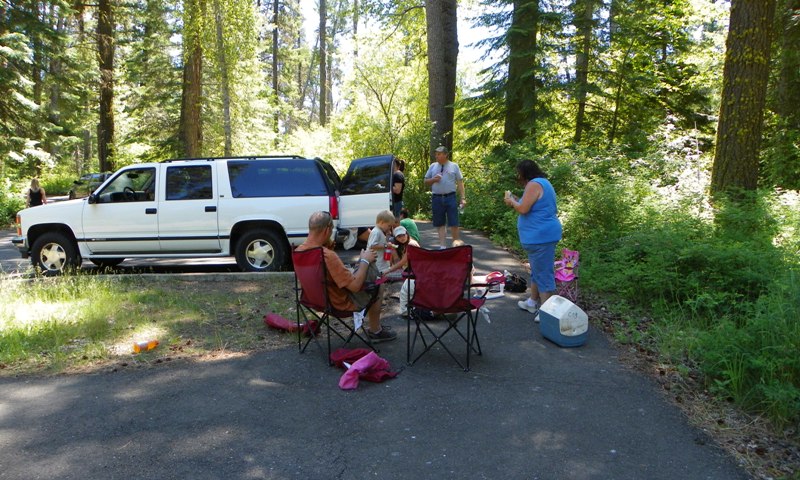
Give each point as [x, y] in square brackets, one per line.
[53, 253]
[260, 250]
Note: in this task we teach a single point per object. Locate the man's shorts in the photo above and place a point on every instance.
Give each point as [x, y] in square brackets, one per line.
[445, 210]
[368, 292]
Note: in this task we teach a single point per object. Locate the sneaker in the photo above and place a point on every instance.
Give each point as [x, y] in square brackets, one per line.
[350, 241]
[384, 335]
[526, 305]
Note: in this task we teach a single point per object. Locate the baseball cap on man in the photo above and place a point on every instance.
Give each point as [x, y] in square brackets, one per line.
[442, 149]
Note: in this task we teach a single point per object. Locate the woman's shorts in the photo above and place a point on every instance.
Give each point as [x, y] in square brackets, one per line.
[541, 257]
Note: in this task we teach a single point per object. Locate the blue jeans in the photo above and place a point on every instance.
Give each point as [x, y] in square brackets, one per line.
[541, 257]
[445, 210]
[396, 207]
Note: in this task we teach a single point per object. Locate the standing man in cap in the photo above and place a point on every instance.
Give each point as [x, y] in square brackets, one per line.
[444, 177]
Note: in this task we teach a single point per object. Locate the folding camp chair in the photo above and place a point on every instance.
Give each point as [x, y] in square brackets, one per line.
[313, 303]
[566, 272]
[442, 286]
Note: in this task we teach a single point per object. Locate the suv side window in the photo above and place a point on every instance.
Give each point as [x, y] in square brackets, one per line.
[370, 176]
[189, 183]
[134, 185]
[275, 178]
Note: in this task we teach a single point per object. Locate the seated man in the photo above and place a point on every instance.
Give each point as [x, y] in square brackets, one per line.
[345, 288]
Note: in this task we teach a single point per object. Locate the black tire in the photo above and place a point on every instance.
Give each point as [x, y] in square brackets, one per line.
[107, 262]
[260, 250]
[54, 253]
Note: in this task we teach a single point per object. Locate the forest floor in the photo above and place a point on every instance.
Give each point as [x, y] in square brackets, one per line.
[765, 451]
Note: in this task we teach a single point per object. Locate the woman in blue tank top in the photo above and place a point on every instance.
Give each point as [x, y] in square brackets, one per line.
[539, 231]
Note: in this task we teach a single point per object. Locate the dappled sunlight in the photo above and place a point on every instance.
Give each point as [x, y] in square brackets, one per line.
[260, 382]
[25, 315]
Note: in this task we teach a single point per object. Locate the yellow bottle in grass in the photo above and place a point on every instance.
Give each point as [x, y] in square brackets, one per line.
[144, 346]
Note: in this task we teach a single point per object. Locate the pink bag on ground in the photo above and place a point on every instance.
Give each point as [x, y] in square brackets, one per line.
[369, 367]
[273, 320]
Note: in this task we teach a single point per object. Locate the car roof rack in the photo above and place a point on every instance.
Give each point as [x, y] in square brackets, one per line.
[244, 157]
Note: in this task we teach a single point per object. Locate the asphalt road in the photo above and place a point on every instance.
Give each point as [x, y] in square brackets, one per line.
[527, 410]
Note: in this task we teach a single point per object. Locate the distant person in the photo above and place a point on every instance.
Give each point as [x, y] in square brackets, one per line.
[539, 231]
[444, 177]
[409, 224]
[36, 195]
[346, 288]
[398, 186]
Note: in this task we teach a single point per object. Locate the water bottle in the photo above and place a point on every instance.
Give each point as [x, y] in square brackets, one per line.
[144, 346]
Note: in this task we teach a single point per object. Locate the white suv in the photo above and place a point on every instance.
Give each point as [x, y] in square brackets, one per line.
[252, 208]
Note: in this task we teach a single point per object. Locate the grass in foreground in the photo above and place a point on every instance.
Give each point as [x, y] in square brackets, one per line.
[73, 323]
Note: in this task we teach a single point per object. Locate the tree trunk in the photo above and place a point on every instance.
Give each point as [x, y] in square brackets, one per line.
[612, 132]
[223, 69]
[584, 26]
[323, 93]
[105, 48]
[521, 83]
[744, 89]
[190, 130]
[355, 29]
[788, 81]
[442, 30]
[275, 95]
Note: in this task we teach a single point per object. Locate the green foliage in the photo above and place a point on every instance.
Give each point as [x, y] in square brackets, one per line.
[58, 184]
[755, 361]
[11, 202]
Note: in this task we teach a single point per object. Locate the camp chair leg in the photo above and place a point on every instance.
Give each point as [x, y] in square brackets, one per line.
[471, 339]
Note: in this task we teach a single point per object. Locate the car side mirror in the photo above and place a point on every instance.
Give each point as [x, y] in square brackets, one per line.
[92, 198]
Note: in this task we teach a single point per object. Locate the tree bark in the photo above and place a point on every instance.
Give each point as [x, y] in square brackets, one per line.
[191, 130]
[323, 92]
[788, 81]
[224, 84]
[584, 26]
[744, 89]
[105, 49]
[442, 30]
[275, 47]
[521, 83]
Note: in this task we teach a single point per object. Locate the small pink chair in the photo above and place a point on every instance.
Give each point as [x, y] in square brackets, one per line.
[566, 271]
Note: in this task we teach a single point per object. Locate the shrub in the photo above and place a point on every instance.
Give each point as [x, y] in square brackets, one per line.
[755, 361]
[10, 202]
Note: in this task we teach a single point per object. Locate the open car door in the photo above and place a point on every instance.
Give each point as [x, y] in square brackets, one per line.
[365, 190]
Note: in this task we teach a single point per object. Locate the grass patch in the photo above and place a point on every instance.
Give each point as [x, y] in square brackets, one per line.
[81, 322]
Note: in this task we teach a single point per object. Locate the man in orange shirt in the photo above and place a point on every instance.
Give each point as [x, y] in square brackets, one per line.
[345, 288]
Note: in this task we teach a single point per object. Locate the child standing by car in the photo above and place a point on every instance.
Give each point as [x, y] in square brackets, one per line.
[378, 240]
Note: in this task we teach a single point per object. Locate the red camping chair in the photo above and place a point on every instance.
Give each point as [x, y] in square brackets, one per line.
[313, 303]
[442, 287]
[566, 272]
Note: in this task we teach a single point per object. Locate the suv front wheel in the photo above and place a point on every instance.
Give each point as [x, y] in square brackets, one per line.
[53, 253]
[260, 250]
